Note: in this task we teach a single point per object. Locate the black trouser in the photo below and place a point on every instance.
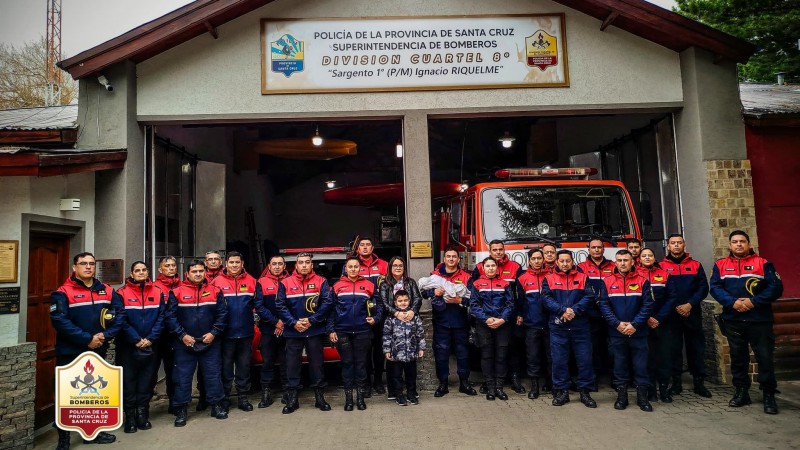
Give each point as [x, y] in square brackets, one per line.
[759, 337]
[273, 349]
[629, 352]
[660, 353]
[396, 371]
[688, 331]
[137, 375]
[516, 350]
[166, 352]
[598, 327]
[539, 361]
[294, 360]
[236, 354]
[354, 351]
[445, 339]
[494, 350]
[375, 364]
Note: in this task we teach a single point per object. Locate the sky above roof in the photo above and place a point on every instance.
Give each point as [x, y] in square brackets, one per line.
[87, 23]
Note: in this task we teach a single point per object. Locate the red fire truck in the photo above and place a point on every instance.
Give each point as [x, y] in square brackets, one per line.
[531, 207]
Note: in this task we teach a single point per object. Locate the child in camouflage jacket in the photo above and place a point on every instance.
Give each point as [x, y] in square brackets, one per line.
[403, 343]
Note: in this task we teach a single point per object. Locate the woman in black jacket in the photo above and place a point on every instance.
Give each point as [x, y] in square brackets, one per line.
[397, 279]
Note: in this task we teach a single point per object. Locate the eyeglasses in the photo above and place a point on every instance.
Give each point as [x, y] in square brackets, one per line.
[213, 259]
[399, 266]
[87, 263]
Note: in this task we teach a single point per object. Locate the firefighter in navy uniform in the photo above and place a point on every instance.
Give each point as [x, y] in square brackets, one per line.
[238, 288]
[167, 280]
[568, 297]
[597, 268]
[77, 313]
[197, 315]
[691, 286]
[272, 345]
[626, 303]
[375, 270]
[746, 284]
[137, 346]
[509, 271]
[532, 315]
[450, 326]
[304, 303]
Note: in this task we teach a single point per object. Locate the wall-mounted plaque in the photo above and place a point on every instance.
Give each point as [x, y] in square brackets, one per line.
[110, 271]
[9, 261]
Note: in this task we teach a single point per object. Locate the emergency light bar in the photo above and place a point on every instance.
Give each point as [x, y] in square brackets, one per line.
[295, 251]
[534, 173]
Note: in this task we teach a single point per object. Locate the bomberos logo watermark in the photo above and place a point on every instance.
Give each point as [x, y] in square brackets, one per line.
[88, 396]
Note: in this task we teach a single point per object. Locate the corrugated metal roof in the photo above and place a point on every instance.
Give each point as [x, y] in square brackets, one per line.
[769, 99]
[39, 118]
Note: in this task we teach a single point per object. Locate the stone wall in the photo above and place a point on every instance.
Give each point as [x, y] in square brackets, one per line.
[17, 392]
[426, 367]
[730, 195]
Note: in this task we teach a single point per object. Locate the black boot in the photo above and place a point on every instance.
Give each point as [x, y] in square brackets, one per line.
[700, 388]
[677, 386]
[442, 390]
[180, 416]
[770, 406]
[244, 403]
[641, 399]
[219, 412]
[482, 388]
[622, 397]
[291, 402]
[266, 398]
[143, 418]
[664, 393]
[490, 393]
[130, 421]
[102, 438]
[652, 393]
[587, 399]
[285, 396]
[465, 388]
[360, 403]
[348, 399]
[560, 397]
[740, 398]
[533, 394]
[319, 400]
[63, 440]
[498, 389]
[516, 385]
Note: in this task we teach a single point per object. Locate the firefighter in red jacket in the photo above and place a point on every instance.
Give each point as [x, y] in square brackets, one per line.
[598, 268]
[746, 284]
[76, 315]
[375, 270]
[626, 303]
[238, 288]
[272, 345]
[167, 280]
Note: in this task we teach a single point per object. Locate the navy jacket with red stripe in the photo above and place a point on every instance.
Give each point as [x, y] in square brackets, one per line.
[626, 298]
[562, 290]
[596, 274]
[196, 309]
[663, 291]
[295, 297]
[750, 277]
[350, 309]
[689, 278]
[75, 313]
[238, 292]
[266, 293]
[145, 308]
[530, 303]
[491, 297]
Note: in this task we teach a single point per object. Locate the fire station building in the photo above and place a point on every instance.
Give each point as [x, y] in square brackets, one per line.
[195, 130]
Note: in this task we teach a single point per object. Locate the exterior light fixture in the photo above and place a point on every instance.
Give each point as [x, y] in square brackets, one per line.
[506, 140]
[399, 149]
[464, 186]
[331, 184]
[317, 139]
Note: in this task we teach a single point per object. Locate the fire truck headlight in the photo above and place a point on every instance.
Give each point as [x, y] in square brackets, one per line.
[543, 228]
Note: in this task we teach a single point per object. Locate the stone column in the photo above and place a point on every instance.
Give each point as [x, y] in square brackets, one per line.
[417, 182]
[17, 393]
[712, 169]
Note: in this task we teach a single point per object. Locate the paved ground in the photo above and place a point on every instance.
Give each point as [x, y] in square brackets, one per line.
[458, 421]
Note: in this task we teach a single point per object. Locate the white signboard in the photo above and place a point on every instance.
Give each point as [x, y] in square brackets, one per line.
[413, 53]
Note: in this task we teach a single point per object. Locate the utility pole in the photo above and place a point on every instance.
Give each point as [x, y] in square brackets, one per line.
[53, 73]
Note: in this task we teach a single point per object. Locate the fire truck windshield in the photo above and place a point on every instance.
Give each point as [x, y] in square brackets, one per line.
[555, 213]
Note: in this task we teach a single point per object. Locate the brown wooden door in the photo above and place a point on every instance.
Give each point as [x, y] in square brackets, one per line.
[48, 267]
